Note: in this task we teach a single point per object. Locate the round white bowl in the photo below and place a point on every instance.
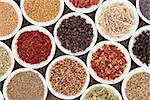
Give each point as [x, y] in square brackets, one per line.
[83, 10]
[20, 19]
[140, 13]
[42, 23]
[131, 44]
[61, 96]
[11, 58]
[115, 91]
[132, 9]
[16, 55]
[89, 20]
[93, 73]
[19, 71]
[1, 96]
[130, 74]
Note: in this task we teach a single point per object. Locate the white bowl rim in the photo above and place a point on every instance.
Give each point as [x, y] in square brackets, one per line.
[83, 10]
[141, 14]
[3, 45]
[102, 85]
[20, 19]
[61, 96]
[130, 33]
[48, 23]
[129, 75]
[89, 20]
[1, 96]
[123, 50]
[24, 70]
[131, 44]
[41, 64]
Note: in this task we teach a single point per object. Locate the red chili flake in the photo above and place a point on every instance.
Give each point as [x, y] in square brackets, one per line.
[108, 62]
[84, 3]
[33, 47]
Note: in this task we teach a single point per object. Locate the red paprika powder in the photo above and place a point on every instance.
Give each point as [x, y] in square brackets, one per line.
[34, 46]
[84, 3]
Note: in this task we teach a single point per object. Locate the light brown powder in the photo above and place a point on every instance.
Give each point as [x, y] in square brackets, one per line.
[42, 10]
[8, 19]
[25, 86]
[5, 61]
[67, 77]
[138, 87]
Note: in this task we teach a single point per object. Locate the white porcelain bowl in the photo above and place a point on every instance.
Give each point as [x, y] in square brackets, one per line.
[83, 10]
[1, 96]
[19, 71]
[16, 55]
[132, 9]
[131, 44]
[140, 13]
[129, 75]
[61, 96]
[20, 19]
[123, 50]
[114, 91]
[12, 61]
[89, 20]
[42, 23]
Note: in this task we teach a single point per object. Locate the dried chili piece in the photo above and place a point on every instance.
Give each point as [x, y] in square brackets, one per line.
[84, 3]
[108, 62]
[33, 46]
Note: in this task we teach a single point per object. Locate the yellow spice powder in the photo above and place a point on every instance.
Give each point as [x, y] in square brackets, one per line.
[42, 10]
[8, 19]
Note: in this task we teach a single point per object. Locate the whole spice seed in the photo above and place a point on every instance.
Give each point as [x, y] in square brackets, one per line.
[100, 93]
[116, 20]
[145, 8]
[8, 19]
[67, 77]
[141, 47]
[42, 10]
[84, 3]
[34, 47]
[25, 86]
[138, 87]
[75, 34]
[108, 62]
[5, 61]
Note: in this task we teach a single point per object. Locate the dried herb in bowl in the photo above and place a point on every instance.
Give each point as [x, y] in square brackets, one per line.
[75, 34]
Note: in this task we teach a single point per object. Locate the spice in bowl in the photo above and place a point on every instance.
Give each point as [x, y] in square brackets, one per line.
[34, 47]
[84, 3]
[67, 77]
[72, 31]
[116, 20]
[137, 87]
[108, 62]
[144, 6]
[25, 84]
[42, 10]
[5, 61]
[101, 93]
[8, 19]
[141, 47]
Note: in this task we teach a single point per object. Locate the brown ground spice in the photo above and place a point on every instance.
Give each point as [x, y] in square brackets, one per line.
[8, 19]
[67, 77]
[138, 87]
[42, 10]
[25, 86]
